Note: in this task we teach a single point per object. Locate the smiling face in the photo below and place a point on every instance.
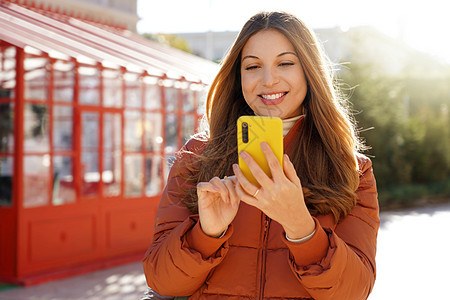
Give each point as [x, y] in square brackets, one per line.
[272, 78]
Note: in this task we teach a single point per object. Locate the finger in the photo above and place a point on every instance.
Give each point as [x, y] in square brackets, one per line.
[207, 187]
[231, 192]
[256, 170]
[243, 182]
[232, 178]
[290, 172]
[222, 188]
[206, 193]
[272, 160]
[245, 197]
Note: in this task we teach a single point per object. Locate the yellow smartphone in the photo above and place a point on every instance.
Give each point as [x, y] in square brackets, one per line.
[251, 131]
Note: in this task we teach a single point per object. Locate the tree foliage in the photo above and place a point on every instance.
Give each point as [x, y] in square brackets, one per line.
[404, 118]
[172, 40]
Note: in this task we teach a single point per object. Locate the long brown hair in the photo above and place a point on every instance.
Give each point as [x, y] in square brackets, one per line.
[324, 153]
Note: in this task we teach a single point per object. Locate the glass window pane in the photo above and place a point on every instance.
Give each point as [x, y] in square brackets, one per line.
[36, 78]
[89, 85]
[171, 133]
[112, 126]
[90, 130]
[89, 154]
[153, 131]
[112, 162]
[63, 183]
[153, 175]
[36, 179]
[36, 128]
[133, 175]
[188, 100]
[63, 81]
[152, 96]
[112, 88]
[112, 155]
[133, 91]
[133, 131]
[188, 127]
[90, 173]
[6, 177]
[171, 99]
[62, 128]
[202, 94]
[6, 127]
[7, 72]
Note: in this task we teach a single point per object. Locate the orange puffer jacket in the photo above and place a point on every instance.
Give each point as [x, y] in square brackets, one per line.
[254, 260]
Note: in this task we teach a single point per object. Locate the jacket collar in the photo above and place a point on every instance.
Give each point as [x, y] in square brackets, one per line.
[293, 133]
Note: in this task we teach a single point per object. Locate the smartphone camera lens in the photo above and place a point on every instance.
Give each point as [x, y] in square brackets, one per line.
[244, 132]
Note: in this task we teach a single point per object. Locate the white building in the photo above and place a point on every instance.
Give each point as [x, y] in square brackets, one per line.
[210, 45]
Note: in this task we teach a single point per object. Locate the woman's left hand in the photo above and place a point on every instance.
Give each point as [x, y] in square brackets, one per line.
[280, 197]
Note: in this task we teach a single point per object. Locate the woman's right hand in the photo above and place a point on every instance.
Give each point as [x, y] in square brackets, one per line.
[218, 204]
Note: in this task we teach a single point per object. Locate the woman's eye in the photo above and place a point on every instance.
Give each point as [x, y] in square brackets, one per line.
[285, 64]
[251, 68]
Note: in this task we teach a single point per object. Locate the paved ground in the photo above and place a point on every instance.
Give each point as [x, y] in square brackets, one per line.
[413, 263]
[413, 258]
[125, 282]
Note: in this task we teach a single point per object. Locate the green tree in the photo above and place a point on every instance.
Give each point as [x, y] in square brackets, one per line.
[172, 40]
[404, 118]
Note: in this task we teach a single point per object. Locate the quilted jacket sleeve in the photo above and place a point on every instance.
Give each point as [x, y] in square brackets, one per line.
[342, 263]
[180, 256]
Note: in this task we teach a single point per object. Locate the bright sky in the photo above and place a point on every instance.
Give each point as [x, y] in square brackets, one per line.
[423, 24]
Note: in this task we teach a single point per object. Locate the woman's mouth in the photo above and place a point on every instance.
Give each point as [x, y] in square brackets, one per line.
[272, 99]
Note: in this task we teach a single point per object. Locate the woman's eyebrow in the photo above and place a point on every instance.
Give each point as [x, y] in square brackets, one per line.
[287, 52]
[281, 54]
[250, 56]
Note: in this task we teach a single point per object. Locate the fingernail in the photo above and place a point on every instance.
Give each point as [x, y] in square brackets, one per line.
[243, 154]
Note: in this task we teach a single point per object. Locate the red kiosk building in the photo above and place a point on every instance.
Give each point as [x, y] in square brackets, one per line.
[89, 116]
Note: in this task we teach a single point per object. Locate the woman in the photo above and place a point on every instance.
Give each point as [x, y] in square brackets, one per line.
[309, 232]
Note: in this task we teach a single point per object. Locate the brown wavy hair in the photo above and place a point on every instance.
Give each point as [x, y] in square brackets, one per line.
[324, 153]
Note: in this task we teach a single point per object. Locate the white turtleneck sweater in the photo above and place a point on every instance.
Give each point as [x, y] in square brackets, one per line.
[288, 123]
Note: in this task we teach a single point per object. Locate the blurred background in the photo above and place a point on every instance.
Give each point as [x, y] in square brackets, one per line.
[96, 96]
[391, 60]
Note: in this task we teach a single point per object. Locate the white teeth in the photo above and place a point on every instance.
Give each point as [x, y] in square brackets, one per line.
[272, 96]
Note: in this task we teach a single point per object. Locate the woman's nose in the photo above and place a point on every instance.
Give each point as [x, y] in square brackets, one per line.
[270, 77]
